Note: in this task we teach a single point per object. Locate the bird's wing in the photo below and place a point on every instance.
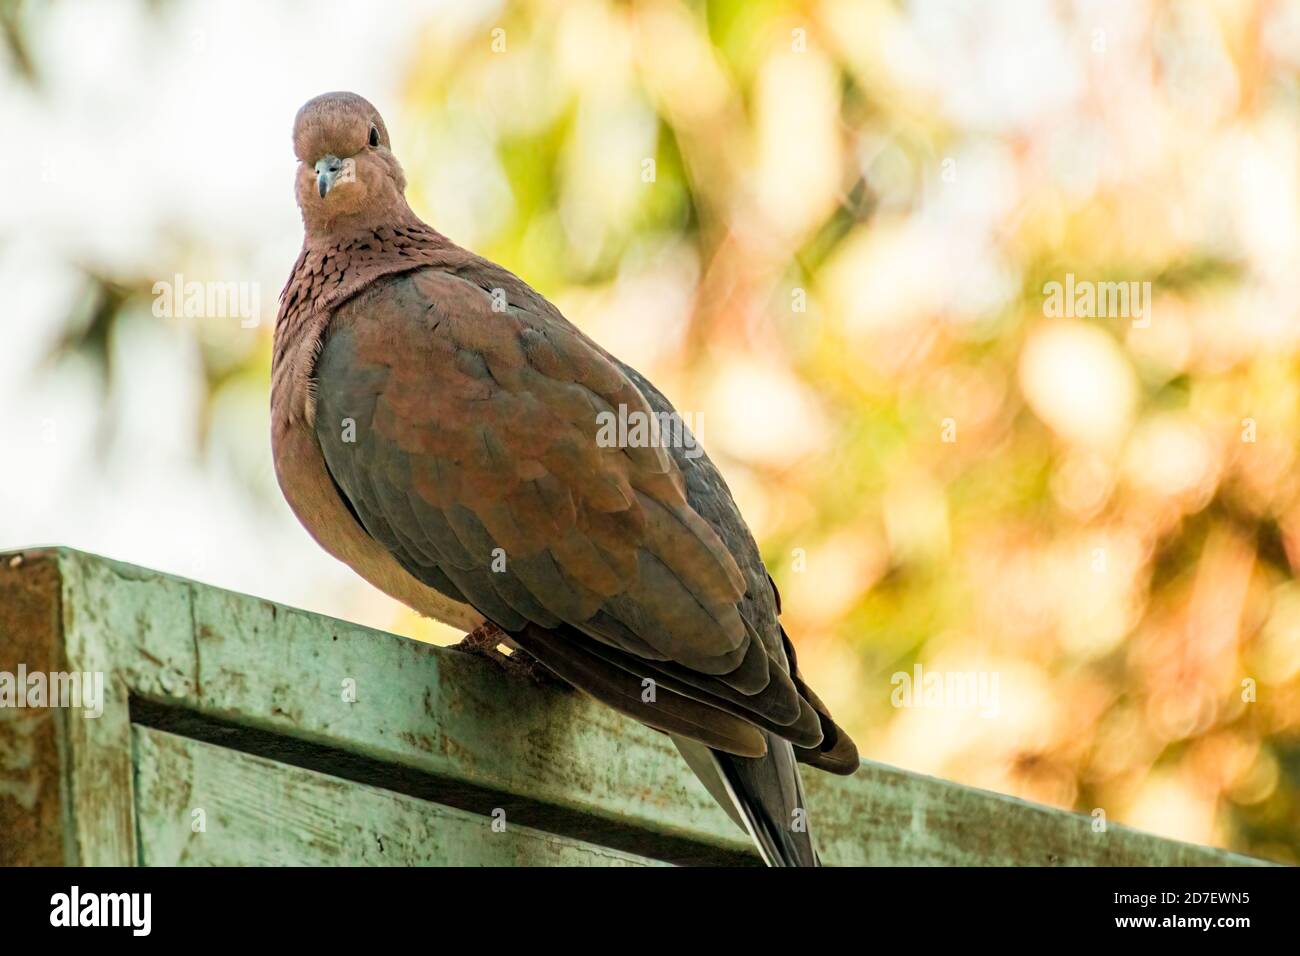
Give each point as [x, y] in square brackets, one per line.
[460, 416]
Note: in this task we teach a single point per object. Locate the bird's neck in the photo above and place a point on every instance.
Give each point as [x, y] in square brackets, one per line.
[337, 265]
[338, 229]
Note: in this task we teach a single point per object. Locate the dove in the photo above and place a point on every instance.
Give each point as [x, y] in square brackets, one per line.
[436, 424]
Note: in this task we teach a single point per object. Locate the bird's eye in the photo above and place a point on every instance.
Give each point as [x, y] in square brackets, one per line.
[374, 135]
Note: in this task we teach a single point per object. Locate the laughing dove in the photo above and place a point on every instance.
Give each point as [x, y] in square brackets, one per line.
[437, 425]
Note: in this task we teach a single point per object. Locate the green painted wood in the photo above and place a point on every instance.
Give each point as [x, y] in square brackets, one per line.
[441, 728]
[80, 767]
[201, 804]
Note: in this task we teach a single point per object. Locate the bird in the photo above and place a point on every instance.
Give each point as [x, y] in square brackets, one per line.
[436, 424]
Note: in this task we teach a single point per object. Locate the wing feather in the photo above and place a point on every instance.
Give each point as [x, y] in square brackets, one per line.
[473, 457]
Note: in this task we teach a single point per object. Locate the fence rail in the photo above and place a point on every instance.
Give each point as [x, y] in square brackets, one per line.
[237, 731]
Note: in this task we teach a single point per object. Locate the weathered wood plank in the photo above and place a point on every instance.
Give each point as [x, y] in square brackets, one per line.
[883, 816]
[69, 799]
[436, 725]
[254, 811]
[97, 762]
[31, 780]
[455, 717]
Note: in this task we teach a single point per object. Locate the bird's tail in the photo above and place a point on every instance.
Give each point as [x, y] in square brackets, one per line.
[764, 795]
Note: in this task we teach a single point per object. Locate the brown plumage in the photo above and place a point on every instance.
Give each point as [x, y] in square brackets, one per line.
[434, 424]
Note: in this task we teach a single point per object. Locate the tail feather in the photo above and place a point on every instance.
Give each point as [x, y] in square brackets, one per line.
[763, 795]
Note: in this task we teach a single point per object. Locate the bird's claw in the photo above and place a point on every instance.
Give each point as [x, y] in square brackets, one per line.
[486, 641]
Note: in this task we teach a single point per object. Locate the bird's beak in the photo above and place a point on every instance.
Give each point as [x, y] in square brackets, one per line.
[328, 168]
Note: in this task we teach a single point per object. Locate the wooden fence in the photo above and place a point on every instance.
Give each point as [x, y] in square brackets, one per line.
[237, 731]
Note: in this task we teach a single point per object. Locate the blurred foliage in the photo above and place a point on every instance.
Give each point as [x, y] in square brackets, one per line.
[14, 39]
[828, 228]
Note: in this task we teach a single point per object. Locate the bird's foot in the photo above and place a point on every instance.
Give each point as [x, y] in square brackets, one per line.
[490, 642]
[483, 641]
[530, 668]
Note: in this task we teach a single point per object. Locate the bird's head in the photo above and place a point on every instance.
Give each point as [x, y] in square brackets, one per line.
[348, 177]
